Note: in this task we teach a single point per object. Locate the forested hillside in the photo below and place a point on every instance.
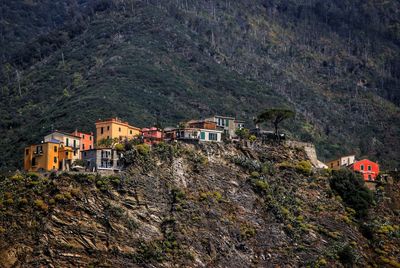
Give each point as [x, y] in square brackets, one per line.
[334, 62]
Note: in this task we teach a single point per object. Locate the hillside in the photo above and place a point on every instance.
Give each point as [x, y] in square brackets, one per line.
[334, 62]
[198, 206]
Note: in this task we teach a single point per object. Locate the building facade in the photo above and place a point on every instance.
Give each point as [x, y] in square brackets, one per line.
[87, 140]
[115, 128]
[368, 169]
[102, 159]
[227, 124]
[67, 140]
[47, 156]
[341, 162]
[194, 135]
[152, 135]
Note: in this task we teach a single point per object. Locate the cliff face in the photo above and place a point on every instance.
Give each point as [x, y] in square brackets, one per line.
[209, 205]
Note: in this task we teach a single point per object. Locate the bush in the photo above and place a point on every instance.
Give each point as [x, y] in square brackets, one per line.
[17, 177]
[33, 175]
[261, 186]
[346, 256]
[255, 174]
[119, 147]
[143, 149]
[304, 167]
[40, 204]
[352, 190]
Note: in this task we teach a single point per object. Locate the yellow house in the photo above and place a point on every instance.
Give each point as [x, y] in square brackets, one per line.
[41, 157]
[47, 156]
[115, 128]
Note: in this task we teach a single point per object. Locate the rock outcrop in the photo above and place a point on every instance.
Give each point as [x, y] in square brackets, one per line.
[191, 206]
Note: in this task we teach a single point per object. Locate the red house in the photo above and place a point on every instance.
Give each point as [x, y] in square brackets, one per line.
[152, 135]
[87, 140]
[368, 169]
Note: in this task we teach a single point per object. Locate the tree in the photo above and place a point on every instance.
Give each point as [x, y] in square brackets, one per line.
[275, 116]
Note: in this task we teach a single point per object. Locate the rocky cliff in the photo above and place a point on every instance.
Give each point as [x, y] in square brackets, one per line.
[194, 205]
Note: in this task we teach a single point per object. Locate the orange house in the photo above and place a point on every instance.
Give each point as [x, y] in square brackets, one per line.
[47, 156]
[115, 128]
[87, 140]
[368, 169]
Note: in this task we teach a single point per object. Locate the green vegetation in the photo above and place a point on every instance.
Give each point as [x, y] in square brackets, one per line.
[352, 190]
[276, 116]
[267, 54]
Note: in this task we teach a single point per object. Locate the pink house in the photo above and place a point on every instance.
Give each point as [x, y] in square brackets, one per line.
[152, 135]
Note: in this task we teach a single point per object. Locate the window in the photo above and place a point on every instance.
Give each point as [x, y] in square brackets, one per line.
[90, 146]
[369, 167]
[102, 130]
[55, 159]
[27, 151]
[108, 137]
[55, 149]
[66, 153]
[90, 138]
[67, 142]
[130, 132]
[84, 153]
[74, 143]
[212, 136]
[362, 167]
[369, 177]
[202, 135]
[83, 146]
[74, 153]
[119, 129]
[83, 136]
[108, 127]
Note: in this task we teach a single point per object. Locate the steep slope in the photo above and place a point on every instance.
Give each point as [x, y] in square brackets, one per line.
[214, 205]
[151, 61]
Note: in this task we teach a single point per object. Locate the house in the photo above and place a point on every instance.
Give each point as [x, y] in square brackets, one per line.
[48, 156]
[202, 124]
[87, 140]
[194, 135]
[102, 160]
[227, 124]
[368, 169]
[341, 162]
[152, 135]
[67, 140]
[115, 128]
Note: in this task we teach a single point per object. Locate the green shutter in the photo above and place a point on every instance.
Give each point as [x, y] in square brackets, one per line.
[227, 122]
[202, 135]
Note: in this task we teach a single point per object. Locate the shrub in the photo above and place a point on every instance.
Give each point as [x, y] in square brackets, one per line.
[17, 177]
[304, 167]
[346, 256]
[23, 202]
[40, 204]
[268, 169]
[33, 175]
[247, 232]
[352, 190]
[261, 186]
[143, 149]
[252, 138]
[255, 174]
[119, 147]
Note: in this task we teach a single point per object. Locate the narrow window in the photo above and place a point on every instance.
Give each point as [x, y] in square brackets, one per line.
[119, 129]
[74, 153]
[83, 136]
[108, 127]
[102, 130]
[131, 132]
[27, 151]
[90, 146]
[90, 138]
[55, 159]
[362, 167]
[83, 146]
[55, 149]
[66, 153]
[67, 143]
[74, 143]
[369, 167]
